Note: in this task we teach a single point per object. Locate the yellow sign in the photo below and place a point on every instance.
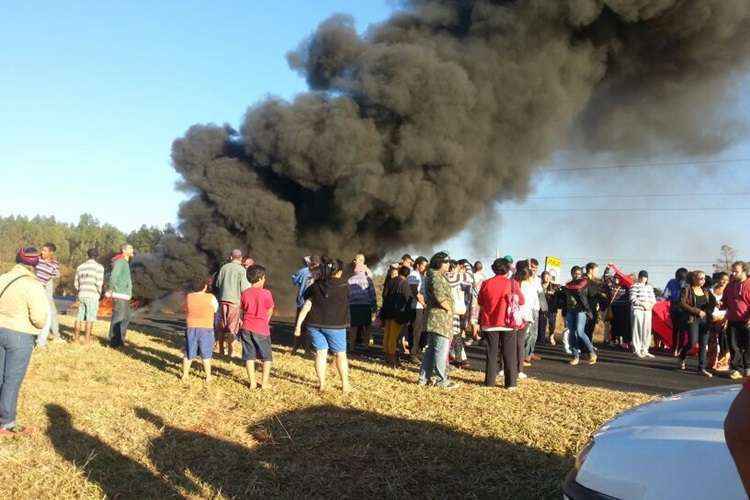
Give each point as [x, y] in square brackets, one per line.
[553, 265]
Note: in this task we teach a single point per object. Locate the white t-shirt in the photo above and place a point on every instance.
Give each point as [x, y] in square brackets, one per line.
[416, 279]
[530, 291]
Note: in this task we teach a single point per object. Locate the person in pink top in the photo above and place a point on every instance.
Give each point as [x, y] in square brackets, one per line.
[257, 307]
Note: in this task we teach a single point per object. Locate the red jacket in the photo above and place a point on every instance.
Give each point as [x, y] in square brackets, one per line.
[494, 297]
[736, 300]
[625, 280]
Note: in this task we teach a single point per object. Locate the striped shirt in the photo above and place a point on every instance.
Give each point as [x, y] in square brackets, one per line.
[46, 271]
[642, 296]
[89, 279]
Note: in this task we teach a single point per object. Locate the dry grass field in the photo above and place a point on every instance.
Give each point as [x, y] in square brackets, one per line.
[118, 424]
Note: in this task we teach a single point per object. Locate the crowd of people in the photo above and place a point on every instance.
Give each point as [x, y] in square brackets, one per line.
[430, 311]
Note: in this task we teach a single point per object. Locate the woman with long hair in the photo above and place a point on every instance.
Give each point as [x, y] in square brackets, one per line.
[697, 304]
[326, 310]
[498, 297]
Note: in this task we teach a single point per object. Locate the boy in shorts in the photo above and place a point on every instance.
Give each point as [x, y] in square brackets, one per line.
[257, 307]
[200, 307]
[89, 281]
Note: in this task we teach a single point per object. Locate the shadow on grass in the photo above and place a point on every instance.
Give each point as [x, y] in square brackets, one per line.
[328, 452]
[117, 475]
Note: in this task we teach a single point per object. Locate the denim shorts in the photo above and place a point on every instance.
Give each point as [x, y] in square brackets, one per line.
[333, 340]
[88, 307]
[199, 340]
[255, 346]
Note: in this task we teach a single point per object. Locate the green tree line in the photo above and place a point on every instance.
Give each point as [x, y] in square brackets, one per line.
[72, 241]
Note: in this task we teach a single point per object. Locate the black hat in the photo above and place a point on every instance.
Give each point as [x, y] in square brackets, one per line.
[643, 274]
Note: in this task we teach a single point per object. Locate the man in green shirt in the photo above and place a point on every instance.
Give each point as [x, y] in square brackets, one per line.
[439, 327]
[121, 291]
[230, 283]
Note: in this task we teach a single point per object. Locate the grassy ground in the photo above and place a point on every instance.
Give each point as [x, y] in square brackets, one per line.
[118, 424]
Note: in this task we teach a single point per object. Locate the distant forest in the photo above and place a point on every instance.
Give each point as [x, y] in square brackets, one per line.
[72, 241]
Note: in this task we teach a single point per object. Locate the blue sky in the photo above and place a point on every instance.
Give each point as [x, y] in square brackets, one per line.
[94, 93]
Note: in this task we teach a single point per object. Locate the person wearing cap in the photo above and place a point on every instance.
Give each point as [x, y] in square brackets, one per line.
[642, 299]
[121, 291]
[24, 311]
[231, 282]
[439, 325]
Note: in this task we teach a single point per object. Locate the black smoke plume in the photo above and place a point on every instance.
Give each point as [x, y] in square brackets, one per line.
[412, 128]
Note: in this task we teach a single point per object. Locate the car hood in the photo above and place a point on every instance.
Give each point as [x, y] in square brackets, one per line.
[670, 448]
[701, 410]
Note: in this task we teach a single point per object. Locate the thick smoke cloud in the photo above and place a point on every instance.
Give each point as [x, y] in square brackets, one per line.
[412, 129]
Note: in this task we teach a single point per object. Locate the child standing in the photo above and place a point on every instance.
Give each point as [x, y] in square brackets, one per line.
[257, 306]
[200, 307]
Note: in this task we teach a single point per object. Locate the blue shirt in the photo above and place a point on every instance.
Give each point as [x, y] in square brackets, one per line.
[302, 279]
[673, 290]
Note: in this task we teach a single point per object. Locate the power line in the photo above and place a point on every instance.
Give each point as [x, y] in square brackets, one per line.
[625, 209]
[629, 196]
[683, 163]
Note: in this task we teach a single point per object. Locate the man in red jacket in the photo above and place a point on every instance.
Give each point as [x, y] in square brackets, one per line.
[495, 296]
[736, 300]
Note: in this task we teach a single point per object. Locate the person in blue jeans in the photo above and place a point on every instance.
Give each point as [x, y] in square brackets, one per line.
[24, 312]
[326, 310]
[578, 312]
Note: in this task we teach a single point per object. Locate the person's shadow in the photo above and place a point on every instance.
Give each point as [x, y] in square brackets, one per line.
[334, 452]
[116, 474]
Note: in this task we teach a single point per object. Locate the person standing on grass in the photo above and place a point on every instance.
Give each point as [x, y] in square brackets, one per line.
[121, 291]
[697, 304]
[47, 271]
[231, 282]
[89, 281]
[200, 308]
[416, 282]
[525, 282]
[326, 310]
[495, 297]
[642, 299]
[395, 313]
[673, 292]
[302, 279]
[578, 311]
[257, 308]
[362, 305]
[24, 310]
[736, 301]
[439, 326]
[479, 278]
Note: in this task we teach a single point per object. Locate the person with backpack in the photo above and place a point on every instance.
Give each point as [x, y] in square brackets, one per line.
[578, 312]
[24, 311]
[500, 300]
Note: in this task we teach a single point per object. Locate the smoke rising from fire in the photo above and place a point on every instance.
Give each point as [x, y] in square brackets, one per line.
[414, 127]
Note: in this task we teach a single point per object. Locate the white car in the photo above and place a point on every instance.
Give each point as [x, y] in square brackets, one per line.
[672, 448]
